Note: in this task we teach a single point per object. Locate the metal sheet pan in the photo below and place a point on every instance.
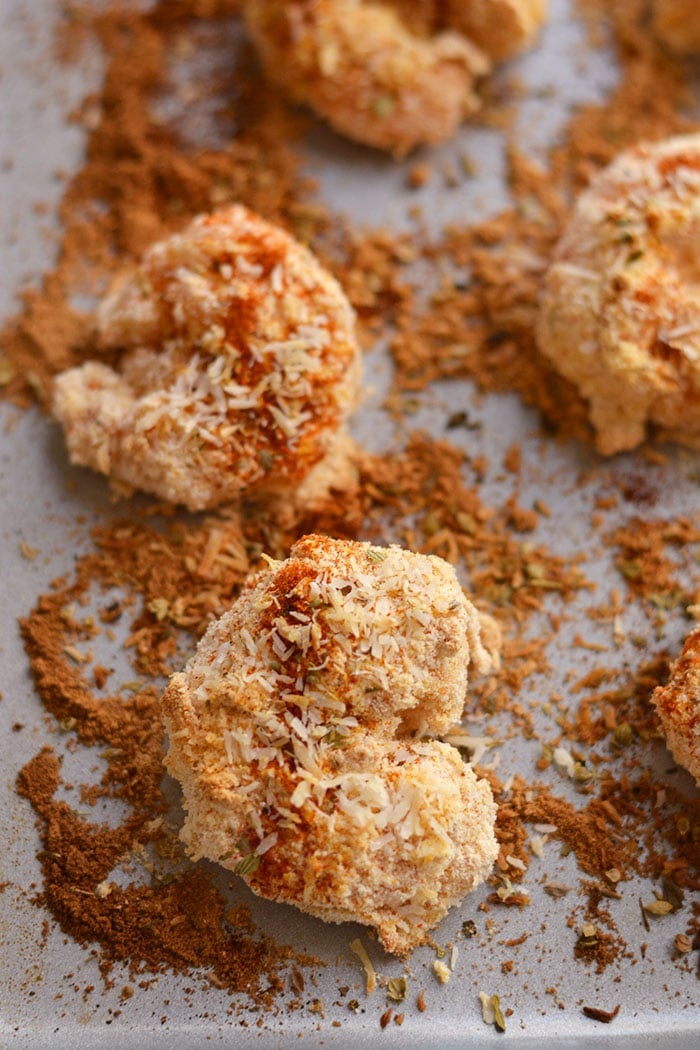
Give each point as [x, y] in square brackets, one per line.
[50, 506]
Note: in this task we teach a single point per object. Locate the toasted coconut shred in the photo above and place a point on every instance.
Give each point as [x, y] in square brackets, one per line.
[342, 724]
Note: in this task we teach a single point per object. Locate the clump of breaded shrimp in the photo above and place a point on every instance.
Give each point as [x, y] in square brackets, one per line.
[620, 310]
[678, 706]
[238, 369]
[393, 75]
[677, 25]
[302, 734]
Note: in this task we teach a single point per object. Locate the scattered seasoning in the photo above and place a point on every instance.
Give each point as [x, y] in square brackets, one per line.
[491, 1011]
[360, 951]
[441, 971]
[396, 989]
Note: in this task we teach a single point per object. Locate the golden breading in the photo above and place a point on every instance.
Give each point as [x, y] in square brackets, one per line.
[301, 732]
[239, 367]
[620, 310]
[391, 75]
[678, 705]
[677, 25]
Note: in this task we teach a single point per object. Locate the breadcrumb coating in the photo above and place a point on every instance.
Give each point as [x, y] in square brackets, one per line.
[501, 28]
[620, 311]
[678, 705]
[677, 25]
[390, 75]
[238, 371]
[302, 734]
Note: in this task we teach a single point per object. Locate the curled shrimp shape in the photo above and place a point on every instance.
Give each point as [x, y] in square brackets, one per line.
[302, 732]
[238, 367]
[620, 310]
[390, 75]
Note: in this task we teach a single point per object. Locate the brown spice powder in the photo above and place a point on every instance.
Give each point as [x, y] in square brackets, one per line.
[178, 924]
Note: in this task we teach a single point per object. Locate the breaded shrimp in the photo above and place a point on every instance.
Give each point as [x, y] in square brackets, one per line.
[393, 74]
[361, 69]
[620, 310]
[501, 28]
[301, 732]
[677, 25]
[678, 705]
[239, 368]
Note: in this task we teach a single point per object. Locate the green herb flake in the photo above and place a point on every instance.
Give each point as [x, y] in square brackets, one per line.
[384, 105]
[630, 568]
[491, 1011]
[623, 734]
[658, 908]
[336, 738]
[498, 1018]
[247, 865]
[396, 989]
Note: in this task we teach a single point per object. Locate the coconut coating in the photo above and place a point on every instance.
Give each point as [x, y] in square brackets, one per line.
[620, 310]
[678, 706]
[238, 371]
[301, 733]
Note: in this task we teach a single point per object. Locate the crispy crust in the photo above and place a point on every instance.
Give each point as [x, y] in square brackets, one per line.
[362, 70]
[501, 28]
[239, 367]
[301, 734]
[393, 76]
[620, 310]
[678, 705]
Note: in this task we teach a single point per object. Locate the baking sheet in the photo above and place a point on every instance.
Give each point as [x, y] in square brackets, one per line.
[49, 506]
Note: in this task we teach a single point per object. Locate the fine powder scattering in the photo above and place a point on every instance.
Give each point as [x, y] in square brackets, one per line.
[240, 368]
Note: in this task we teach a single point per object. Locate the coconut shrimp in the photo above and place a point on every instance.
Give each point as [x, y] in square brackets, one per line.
[238, 371]
[302, 734]
[678, 706]
[620, 311]
[390, 75]
[676, 23]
